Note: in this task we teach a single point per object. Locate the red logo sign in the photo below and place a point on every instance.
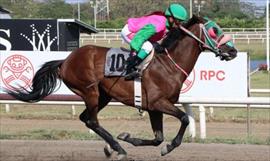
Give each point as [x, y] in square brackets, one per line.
[188, 82]
[17, 71]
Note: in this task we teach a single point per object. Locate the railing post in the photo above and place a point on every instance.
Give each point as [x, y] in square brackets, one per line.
[7, 108]
[202, 122]
[211, 110]
[192, 127]
[248, 121]
[73, 110]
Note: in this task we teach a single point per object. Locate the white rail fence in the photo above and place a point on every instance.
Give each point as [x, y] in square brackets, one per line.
[187, 103]
[259, 91]
[246, 37]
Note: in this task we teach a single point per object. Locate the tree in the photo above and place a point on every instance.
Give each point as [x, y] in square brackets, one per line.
[55, 9]
[222, 9]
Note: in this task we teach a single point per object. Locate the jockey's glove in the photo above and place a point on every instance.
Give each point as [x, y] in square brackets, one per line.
[158, 48]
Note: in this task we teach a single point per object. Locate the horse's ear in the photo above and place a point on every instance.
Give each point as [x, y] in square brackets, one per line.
[198, 18]
[194, 16]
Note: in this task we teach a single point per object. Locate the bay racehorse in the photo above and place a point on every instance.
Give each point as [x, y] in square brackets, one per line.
[83, 72]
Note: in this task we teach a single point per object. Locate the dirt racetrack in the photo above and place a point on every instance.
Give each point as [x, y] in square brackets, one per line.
[25, 150]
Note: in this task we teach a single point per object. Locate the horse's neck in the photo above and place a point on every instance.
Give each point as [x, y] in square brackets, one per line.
[187, 52]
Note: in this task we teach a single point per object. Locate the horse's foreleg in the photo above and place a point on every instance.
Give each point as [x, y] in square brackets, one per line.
[157, 126]
[168, 108]
[178, 139]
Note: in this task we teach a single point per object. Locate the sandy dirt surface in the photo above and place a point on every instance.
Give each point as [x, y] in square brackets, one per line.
[19, 150]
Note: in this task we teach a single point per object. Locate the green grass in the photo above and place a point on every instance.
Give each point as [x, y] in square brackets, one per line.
[257, 50]
[39, 112]
[52, 134]
[261, 80]
[247, 140]
[238, 115]
[127, 113]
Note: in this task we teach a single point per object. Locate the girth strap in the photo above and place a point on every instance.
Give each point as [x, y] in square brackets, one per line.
[138, 93]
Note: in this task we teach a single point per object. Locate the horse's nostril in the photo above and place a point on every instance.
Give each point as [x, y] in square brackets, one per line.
[233, 52]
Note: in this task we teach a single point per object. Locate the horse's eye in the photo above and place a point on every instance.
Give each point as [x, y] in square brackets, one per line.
[215, 30]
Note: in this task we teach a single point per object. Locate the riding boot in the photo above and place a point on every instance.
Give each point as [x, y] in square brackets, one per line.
[131, 70]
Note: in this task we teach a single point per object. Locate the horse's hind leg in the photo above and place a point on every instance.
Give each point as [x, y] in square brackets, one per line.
[157, 126]
[89, 116]
[103, 100]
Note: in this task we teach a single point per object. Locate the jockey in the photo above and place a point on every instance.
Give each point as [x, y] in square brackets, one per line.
[140, 32]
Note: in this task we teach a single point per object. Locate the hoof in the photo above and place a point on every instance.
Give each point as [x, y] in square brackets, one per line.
[166, 149]
[123, 136]
[108, 151]
[122, 157]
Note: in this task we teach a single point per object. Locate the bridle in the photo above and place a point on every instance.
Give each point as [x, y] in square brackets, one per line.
[203, 44]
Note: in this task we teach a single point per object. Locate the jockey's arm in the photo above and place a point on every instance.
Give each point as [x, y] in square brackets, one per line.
[141, 36]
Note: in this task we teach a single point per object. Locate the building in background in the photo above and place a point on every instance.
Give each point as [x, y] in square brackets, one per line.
[42, 34]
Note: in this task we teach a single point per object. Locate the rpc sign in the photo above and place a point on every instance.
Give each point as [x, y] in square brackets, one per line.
[214, 78]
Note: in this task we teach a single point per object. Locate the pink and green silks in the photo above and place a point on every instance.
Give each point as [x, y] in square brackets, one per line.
[151, 27]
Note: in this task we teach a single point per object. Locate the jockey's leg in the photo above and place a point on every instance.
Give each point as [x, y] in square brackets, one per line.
[147, 47]
[157, 126]
[132, 62]
[131, 72]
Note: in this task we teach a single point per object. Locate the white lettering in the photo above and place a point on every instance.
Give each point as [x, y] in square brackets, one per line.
[5, 42]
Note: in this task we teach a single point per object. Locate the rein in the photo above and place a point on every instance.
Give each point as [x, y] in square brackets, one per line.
[175, 64]
[196, 38]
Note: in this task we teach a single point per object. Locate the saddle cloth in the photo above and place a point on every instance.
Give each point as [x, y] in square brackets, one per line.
[115, 64]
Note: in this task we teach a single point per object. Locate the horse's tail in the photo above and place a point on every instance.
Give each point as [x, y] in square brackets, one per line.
[43, 84]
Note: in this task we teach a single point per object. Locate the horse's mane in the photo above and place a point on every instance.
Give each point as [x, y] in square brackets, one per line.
[176, 34]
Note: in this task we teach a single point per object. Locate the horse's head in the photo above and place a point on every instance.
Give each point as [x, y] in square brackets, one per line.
[216, 41]
[209, 35]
